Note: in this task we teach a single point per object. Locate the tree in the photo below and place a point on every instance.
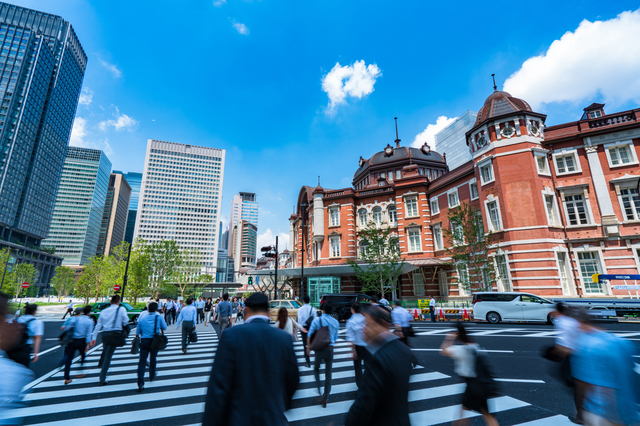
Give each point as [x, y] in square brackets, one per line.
[189, 270]
[115, 264]
[382, 258]
[22, 273]
[94, 279]
[139, 271]
[5, 260]
[164, 257]
[469, 248]
[207, 278]
[63, 281]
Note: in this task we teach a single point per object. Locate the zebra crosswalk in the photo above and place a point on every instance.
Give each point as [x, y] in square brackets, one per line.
[176, 397]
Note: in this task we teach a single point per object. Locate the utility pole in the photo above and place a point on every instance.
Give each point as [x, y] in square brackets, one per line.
[126, 272]
[276, 282]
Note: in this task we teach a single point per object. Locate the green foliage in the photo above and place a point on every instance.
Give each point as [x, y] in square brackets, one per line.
[164, 258]
[22, 272]
[139, 271]
[247, 293]
[50, 250]
[63, 281]
[382, 258]
[469, 248]
[5, 257]
[94, 279]
[188, 271]
[207, 278]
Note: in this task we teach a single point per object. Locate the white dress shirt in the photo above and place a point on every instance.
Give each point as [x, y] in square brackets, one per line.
[169, 304]
[188, 313]
[355, 330]
[107, 319]
[400, 316]
[304, 313]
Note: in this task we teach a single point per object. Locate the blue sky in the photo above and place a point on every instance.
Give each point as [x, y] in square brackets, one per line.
[261, 78]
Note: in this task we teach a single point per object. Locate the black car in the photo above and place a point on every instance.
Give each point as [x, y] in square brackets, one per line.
[342, 303]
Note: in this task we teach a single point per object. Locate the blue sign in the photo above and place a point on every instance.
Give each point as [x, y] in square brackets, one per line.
[619, 277]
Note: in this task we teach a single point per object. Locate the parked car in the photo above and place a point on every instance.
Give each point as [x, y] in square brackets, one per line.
[342, 303]
[132, 313]
[511, 306]
[291, 305]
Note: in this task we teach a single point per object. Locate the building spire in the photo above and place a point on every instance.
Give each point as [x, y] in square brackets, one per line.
[495, 88]
[397, 141]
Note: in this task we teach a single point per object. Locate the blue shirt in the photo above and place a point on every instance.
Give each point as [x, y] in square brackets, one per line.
[327, 321]
[401, 316]
[224, 309]
[82, 327]
[199, 304]
[188, 313]
[147, 325]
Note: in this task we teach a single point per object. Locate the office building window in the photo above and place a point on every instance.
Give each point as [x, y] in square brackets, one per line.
[576, 209]
[503, 271]
[542, 163]
[630, 203]
[473, 187]
[418, 284]
[435, 208]
[621, 154]
[552, 212]
[566, 163]
[486, 173]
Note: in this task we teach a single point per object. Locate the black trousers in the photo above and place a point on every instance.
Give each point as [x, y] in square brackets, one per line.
[69, 311]
[77, 345]
[325, 355]
[170, 316]
[305, 342]
[145, 351]
[200, 316]
[362, 353]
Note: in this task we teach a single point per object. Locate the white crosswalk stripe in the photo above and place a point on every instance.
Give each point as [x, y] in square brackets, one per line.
[176, 396]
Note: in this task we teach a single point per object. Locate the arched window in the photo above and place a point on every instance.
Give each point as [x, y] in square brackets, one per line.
[377, 215]
[362, 217]
[362, 248]
[393, 215]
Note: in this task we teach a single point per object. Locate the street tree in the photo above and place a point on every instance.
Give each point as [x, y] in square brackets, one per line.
[139, 271]
[469, 247]
[164, 258]
[5, 260]
[22, 273]
[188, 271]
[63, 281]
[115, 264]
[94, 279]
[381, 259]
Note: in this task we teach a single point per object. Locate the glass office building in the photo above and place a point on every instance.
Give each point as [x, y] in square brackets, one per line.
[135, 181]
[79, 207]
[180, 197]
[114, 218]
[42, 66]
[451, 140]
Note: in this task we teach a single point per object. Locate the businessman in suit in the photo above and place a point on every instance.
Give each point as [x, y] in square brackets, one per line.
[383, 398]
[255, 372]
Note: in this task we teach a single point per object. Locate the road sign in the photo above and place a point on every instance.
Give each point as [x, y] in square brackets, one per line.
[25, 285]
[626, 287]
[116, 287]
[614, 277]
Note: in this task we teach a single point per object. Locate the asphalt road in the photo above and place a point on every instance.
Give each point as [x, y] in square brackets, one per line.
[532, 395]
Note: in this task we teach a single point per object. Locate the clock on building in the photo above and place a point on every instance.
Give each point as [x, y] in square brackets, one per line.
[481, 142]
[388, 150]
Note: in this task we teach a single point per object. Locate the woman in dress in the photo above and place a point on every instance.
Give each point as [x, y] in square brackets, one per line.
[288, 324]
[235, 307]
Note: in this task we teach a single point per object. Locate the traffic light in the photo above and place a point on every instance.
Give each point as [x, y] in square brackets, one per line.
[250, 281]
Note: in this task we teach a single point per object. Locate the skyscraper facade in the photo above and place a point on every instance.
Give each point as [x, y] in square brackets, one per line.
[452, 141]
[114, 218]
[135, 181]
[180, 197]
[42, 65]
[79, 207]
[244, 207]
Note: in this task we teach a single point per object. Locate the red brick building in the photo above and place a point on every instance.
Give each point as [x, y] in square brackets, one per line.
[561, 202]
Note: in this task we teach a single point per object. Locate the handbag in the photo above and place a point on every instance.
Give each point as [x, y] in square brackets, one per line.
[135, 346]
[117, 338]
[159, 341]
[321, 339]
[193, 337]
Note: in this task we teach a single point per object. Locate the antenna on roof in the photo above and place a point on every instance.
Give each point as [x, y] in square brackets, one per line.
[318, 180]
[397, 141]
[495, 88]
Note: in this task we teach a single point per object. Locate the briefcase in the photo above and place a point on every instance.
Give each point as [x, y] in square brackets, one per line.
[135, 346]
[321, 339]
[159, 342]
[193, 337]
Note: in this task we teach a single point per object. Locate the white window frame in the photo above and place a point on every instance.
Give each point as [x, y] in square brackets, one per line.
[625, 186]
[453, 233]
[486, 164]
[537, 156]
[409, 213]
[361, 248]
[435, 207]
[393, 218]
[567, 153]
[636, 255]
[443, 283]
[595, 114]
[632, 153]
[418, 274]
[453, 192]
[501, 282]
[577, 191]
[438, 242]
[366, 217]
[602, 269]
[556, 220]
[570, 290]
[332, 211]
[377, 209]
[473, 184]
[332, 253]
[411, 231]
[490, 224]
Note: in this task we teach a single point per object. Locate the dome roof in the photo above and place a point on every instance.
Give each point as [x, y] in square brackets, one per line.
[399, 154]
[500, 103]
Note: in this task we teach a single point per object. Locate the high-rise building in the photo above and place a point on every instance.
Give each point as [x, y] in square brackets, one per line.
[180, 197]
[243, 207]
[42, 65]
[79, 207]
[114, 218]
[135, 181]
[243, 245]
[224, 237]
[452, 141]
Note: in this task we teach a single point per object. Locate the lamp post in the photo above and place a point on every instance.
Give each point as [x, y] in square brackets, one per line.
[126, 272]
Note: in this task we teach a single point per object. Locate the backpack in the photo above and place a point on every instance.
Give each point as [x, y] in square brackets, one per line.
[22, 345]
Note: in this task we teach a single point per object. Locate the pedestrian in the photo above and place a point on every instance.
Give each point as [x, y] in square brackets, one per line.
[235, 308]
[69, 309]
[111, 319]
[383, 301]
[254, 374]
[240, 309]
[169, 311]
[432, 308]
[305, 313]
[465, 360]
[187, 317]
[355, 335]
[200, 308]
[31, 338]
[383, 398]
[289, 325]
[324, 354]
[224, 313]
[78, 311]
[82, 326]
[402, 322]
[208, 310]
[148, 327]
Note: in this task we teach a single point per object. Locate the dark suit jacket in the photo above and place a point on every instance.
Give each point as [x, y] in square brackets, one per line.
[254, 376]
[382, 398]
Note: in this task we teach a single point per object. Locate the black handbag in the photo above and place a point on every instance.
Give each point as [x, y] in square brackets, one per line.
[321, 339]
[135, 346]
[193, 337]
[117, 338]
[159, 341]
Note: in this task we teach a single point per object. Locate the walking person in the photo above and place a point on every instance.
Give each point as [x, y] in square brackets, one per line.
[355, 335]
[254, 374]
[235, 308]
[465, 359]
[224, 313]
[169, 311]
[208, 310]
[31, 338]
[148, 327]
[402, 322]
[325, 354]
[82, 326]
[432, 308]
[288, 325]
[111, 319]
[200, 308]
[383, 398]
[69, 309]
[305, 313]
[187, 317]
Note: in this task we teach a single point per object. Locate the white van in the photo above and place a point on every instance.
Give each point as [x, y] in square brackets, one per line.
[510, 306]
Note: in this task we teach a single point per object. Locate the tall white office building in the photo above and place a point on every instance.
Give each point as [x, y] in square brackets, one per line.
[180, 197]
[452, 141]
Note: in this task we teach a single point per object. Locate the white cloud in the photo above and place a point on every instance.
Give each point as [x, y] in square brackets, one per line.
[122, 122]
[597, 58]
[241, 28]
[427, 135]
[86, 96]
[111, 67]
[268, 238]
[355, 81]
[219, 3]
[78, 132]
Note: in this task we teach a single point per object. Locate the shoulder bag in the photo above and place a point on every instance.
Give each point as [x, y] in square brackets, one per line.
[135, 346]
[159, 341]
[66, 337]
[321, 339]
[117, 338]
[193, 337]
